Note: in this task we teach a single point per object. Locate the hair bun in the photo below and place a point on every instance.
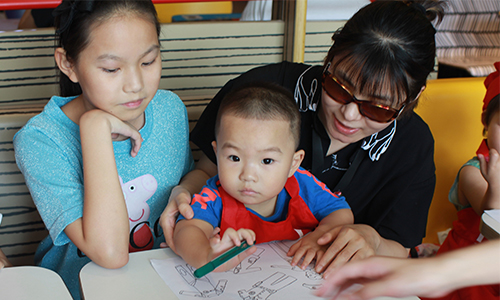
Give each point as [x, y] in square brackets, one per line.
[66, 12]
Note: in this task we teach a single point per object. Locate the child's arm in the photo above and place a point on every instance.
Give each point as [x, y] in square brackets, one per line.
[103, 231]
[4, 262]
[191, 239]
[308, 247]
[180, 197]
[480, 188]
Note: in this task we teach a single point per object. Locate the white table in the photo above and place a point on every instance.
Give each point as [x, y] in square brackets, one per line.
[137, 280]
[490, 224]
[29, 282]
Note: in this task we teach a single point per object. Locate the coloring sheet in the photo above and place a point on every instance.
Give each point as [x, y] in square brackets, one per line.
[266, 274]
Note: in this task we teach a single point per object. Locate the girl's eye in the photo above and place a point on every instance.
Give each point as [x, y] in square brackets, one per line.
[149, 63]
[234, 158]
[267, 161]
[110, 70]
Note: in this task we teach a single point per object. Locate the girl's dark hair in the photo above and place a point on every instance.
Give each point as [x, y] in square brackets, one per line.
[74, 20]
[388, 46]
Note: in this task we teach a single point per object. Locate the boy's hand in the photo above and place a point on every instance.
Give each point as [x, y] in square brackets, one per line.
[307, 248]
[230, 239]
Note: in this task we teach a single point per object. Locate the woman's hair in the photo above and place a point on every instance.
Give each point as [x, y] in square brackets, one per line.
[388, 46]
[74, 20]
[261, 101]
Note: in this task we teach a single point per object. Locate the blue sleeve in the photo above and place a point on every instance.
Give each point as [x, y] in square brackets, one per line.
[54, 178]
[318, 197]
[207, 205]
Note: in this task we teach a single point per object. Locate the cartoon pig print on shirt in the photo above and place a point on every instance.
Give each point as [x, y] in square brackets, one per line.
[136, 192]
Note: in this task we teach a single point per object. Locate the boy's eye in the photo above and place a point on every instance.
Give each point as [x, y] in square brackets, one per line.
[234, 158]
[267, 161]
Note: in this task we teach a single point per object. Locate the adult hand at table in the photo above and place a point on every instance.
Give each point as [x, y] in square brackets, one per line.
[354, 242]
[385, 276]
[179, 201]
[348, 242]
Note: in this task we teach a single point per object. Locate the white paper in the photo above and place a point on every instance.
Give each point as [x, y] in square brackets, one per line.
[494, 213]
[266, 274]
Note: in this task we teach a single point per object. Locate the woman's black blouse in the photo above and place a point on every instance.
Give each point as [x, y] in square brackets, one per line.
[391, 194]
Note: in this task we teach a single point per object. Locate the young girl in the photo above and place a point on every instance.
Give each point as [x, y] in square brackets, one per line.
[477, 188]
[101, 160]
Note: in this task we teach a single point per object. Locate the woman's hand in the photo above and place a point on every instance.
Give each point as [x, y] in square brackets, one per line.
[348, 242]
[354, 242]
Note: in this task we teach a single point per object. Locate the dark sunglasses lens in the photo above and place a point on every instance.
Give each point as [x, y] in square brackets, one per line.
[336, 91]
[376, 113]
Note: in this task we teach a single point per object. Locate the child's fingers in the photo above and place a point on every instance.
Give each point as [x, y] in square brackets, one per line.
[214, 240]
[298, 256]
[482, 163]
[293, 248]
[136, 140]
[247, 235]
[308, 258]
[236, 260]
[494, 156]
[216, 231]
[231, 236]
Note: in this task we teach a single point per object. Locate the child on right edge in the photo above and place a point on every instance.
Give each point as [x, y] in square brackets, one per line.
[477, 188]
[260, 194]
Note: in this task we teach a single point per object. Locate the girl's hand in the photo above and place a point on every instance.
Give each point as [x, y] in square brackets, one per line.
[117, 127]
[230, 239]
[179, 201]
[308, 248]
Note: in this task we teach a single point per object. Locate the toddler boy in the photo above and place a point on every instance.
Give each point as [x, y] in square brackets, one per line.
[260, 193]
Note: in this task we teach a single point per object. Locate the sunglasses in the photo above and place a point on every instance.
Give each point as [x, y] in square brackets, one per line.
[373, 111]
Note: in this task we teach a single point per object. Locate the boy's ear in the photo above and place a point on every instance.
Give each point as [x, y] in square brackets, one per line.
[214, 145]
[296, 161]
[65, 65]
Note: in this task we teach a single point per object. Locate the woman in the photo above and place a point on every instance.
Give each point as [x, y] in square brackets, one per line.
[375, 151]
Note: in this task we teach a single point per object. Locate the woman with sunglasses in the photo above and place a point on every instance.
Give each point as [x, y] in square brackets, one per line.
[359, 131]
